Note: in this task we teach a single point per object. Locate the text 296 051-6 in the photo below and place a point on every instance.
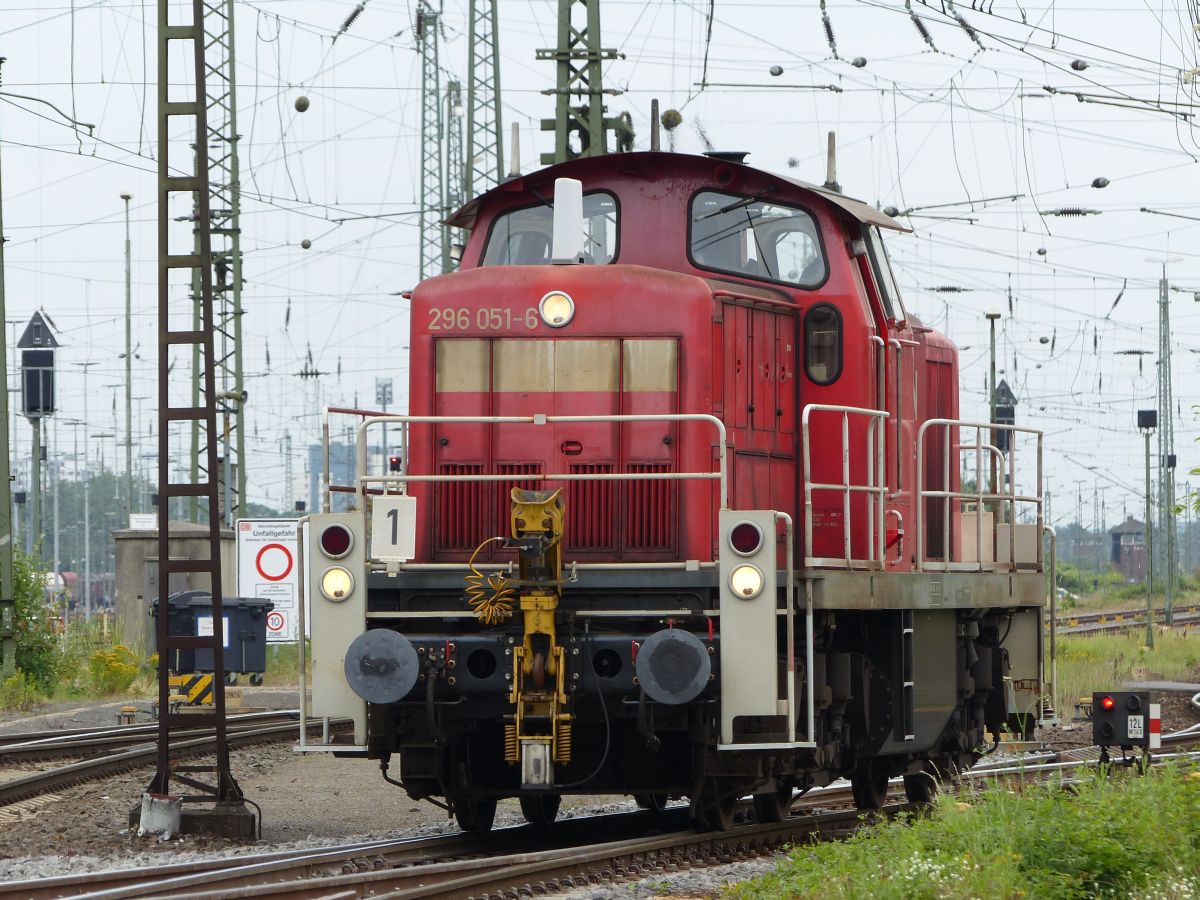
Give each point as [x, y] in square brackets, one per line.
[488, 318]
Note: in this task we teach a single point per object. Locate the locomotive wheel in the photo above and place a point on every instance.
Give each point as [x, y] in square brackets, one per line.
[869, 785]
[256, 679]
[773, 806]
[540, 809]
[475, 813]
[921, 787]
[654, 803]
[717, 807]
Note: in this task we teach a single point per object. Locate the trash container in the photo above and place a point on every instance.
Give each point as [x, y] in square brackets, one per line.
[181, 623]
[245, 632]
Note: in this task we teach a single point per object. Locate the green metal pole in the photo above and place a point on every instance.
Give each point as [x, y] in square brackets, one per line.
[8, 656]
[1149, 554]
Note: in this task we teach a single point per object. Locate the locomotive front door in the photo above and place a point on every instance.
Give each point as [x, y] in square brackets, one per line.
[760, 405]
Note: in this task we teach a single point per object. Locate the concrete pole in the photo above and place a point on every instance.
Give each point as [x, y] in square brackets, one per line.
[128, 367]
[87, 513]
[1149, 554]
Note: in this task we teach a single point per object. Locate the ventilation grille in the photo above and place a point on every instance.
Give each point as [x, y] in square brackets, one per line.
[459, 508]
[502, 502]
[650, 510]
[590, 511]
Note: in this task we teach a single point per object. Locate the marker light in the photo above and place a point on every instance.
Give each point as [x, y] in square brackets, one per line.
[746, 581]
[745, 538]
[336, 541]
[556, 309]
[1107, 702]
[337, 583]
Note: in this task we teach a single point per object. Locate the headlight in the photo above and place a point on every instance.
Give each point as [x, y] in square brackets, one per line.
[746, 581]
[556, 309]
[337, 583]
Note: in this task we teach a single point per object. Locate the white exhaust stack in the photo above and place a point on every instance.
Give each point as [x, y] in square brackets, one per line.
[568, 220]
[514, 152]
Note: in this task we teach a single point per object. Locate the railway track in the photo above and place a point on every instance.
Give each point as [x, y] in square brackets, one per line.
[121, 761]
[92, 741]
[517, 861]
[523, 859]
[1109, 622]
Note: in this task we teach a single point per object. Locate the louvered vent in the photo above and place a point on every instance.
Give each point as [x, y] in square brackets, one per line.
[460, 512]
[590, 511]
[650, 510]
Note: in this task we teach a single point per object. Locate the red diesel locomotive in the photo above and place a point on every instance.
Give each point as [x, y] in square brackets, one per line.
[680, 512]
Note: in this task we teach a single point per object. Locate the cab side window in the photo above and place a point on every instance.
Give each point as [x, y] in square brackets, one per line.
[823, 344]
[881, 268]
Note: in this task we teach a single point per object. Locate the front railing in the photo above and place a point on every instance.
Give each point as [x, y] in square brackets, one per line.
[874, 486]
[989, 497]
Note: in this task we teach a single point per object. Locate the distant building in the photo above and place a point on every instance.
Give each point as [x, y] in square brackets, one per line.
[1129, 548]
[341, 469]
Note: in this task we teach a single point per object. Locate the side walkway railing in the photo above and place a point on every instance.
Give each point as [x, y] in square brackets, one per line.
[1002, 501]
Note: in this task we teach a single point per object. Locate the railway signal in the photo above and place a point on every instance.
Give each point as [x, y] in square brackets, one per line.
[1125, 719]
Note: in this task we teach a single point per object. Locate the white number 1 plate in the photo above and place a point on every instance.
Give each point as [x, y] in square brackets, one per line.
[1136, 727]
[393, 528]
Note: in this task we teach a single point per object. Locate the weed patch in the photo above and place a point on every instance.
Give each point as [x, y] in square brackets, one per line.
[1113, 836]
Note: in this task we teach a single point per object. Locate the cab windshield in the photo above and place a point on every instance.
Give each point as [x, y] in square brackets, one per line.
[524, 237]
[748, 236]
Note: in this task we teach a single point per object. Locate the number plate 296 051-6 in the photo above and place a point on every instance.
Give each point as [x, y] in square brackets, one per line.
[393, 528]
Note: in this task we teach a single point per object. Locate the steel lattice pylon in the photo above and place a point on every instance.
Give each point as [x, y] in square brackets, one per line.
[578, 59]
[432, 199]
[224, 227]
[485, 151]
[189, 114]
[453, 183]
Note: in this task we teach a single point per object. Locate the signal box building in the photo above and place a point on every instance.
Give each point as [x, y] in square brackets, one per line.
[1129, 548]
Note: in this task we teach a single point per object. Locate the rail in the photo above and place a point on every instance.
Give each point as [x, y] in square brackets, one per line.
[875, 487]
[1004, 502]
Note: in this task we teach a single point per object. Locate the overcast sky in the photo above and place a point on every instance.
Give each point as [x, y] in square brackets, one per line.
[960, 119]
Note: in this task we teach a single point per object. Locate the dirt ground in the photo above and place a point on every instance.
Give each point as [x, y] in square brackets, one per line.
[310, 799]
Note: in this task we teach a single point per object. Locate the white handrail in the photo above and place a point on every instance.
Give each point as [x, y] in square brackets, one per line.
[876, 484]
[362, 478]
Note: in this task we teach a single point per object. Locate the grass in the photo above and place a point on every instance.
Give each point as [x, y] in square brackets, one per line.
[88, 663]
[1106, 662]
[283, 665]
[1118, 836]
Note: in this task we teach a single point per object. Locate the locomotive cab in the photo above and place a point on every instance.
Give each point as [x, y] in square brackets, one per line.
[680, 512]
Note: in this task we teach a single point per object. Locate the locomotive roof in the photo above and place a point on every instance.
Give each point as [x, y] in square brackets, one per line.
[616, 162]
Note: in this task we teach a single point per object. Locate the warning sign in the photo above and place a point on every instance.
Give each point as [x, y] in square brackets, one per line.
[266, 566]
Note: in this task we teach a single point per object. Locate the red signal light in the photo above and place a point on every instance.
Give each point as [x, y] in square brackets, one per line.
[1107, 702]
[393, 463]
[745, 538]
[336, 541]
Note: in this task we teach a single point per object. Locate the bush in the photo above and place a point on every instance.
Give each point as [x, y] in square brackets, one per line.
[112, 671]
[38, 653]
[18, 692]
